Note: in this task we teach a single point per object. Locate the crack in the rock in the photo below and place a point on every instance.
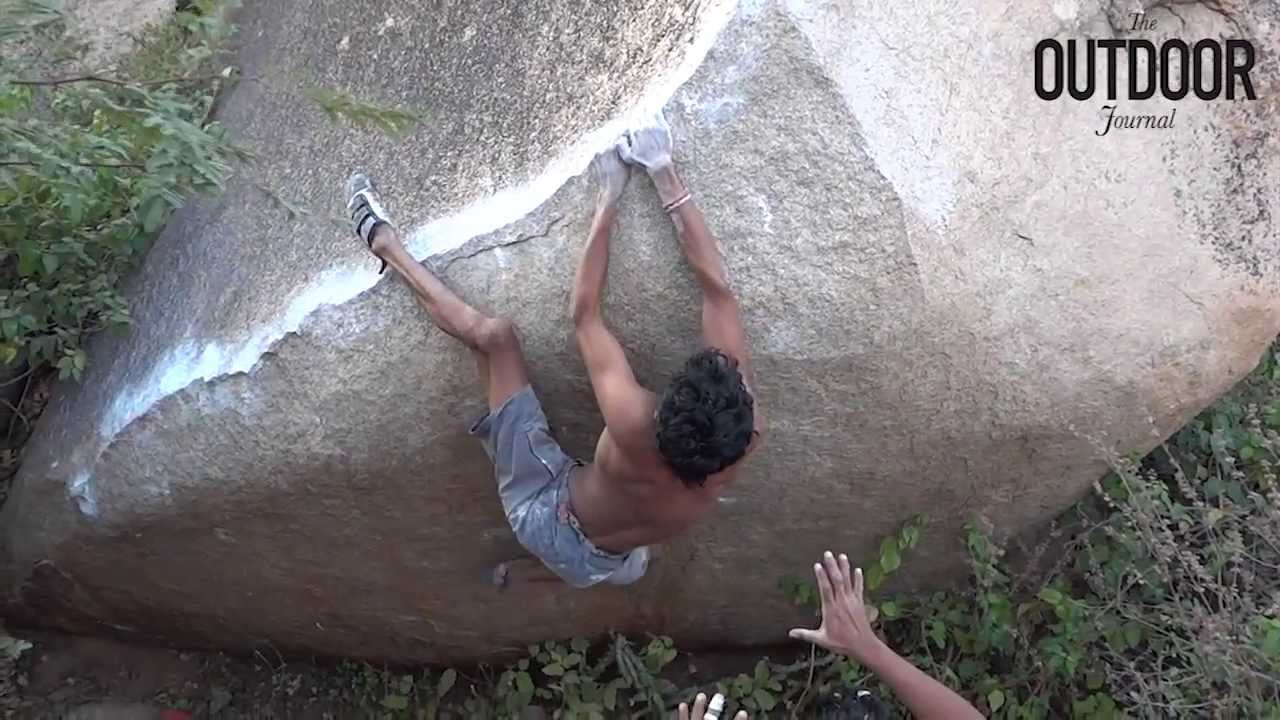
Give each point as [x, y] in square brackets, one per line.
[519, 239]
[1193, 301]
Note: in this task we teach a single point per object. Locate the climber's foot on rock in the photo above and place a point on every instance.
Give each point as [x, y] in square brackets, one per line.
[523, 573]
[372, 222]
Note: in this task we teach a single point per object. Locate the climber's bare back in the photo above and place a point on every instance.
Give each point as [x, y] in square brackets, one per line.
[629, 497]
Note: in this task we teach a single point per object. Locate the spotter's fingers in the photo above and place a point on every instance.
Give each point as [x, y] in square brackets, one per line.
[838, 584]
[825, 590]
[844, 570]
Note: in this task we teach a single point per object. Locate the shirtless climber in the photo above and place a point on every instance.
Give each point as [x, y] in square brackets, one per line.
[661, 461]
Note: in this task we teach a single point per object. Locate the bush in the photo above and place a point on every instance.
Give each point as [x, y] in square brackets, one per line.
[91, 166]
[1166, 599]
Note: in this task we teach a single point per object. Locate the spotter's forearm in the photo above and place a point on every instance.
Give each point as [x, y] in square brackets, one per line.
[925, 697]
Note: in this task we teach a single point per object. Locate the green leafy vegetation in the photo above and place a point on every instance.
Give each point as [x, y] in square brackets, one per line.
[567, 679]
[392, 694]
[91, 166]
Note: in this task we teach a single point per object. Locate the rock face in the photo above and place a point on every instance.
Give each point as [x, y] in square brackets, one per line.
[961, 299]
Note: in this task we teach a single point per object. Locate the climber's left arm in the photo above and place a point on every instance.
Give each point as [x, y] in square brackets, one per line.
[721, 315]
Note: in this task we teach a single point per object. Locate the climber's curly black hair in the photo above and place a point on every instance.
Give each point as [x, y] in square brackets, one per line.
[706, 417]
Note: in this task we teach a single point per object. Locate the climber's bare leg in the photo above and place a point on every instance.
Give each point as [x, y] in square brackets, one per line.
[525, 572]
[493, 341]
[482, 362]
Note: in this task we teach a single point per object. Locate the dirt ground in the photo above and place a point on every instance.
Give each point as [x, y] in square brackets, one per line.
[87, 678]
[101, 679]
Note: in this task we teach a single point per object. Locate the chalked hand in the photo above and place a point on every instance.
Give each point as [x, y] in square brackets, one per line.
[611, 176]
[649, 147]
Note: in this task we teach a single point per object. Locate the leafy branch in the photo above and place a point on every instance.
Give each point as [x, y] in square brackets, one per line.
[337, 105]
[57, 82]
[68, 237]
[32, 163]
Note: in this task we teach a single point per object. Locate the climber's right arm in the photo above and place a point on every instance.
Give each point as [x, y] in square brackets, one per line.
[621, 399]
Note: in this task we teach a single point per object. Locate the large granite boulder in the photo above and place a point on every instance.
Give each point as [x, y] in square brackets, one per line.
[961, 301]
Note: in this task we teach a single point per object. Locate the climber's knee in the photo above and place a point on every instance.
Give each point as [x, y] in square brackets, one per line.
[495, 336]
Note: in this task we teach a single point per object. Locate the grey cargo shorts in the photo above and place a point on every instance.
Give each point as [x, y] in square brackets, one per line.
[533, 483]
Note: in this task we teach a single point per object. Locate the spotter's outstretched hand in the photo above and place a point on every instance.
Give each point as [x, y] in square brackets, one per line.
[845, 627]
